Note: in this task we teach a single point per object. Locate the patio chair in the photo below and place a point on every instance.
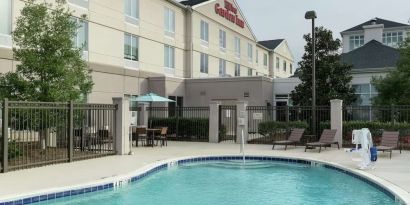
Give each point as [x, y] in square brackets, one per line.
[163, 136]
[294, 138]
[139, 134]
[390, 141]
[326, 140]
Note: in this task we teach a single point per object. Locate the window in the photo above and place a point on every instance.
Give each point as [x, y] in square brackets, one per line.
[169, 57]
[291, 68]
[392, 39]
[82, 3]
[250, 52]
[257, 56]
[131, 8]
[277, 63]
[169, 22]
[5, 20]
[364, 94]
[130, 47]
[249, 71]
[80, 40]
[204, 63]
[284, 65]
[237, 47]
[204, 31]
[265, 60]
[237, 70]
[222, 67]
[222, 40]
[356, 41]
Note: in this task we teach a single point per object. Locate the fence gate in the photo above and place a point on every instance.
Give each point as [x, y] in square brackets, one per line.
[227, 123]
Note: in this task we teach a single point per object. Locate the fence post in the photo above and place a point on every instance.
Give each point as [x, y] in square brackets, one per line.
[336, 119]
[5, 122]
[122, 125]
[241, 121]
[214, 122]
[287, 117]
[71, 132]
[392, 114]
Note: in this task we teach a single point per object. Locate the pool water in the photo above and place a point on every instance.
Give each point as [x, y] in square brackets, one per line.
[230, 183]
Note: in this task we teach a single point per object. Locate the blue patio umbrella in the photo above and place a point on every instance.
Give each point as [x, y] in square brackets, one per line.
[151, 97]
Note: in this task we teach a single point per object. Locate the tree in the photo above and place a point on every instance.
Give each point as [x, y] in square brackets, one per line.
[394, 89]
[332, 77]
[50, 68]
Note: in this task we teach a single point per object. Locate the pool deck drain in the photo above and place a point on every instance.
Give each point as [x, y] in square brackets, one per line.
[395, 171]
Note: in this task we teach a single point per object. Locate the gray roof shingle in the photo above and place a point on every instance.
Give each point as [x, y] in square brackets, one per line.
[271, 44]
[372, 55]
[192, 2]
[386, 23]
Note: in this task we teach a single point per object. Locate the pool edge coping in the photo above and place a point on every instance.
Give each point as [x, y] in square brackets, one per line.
[117, 181]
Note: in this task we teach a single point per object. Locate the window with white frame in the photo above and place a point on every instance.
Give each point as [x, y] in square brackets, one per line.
[5, 23]
[257, 56]
[237, 70]
[364, 94]
[237, 44]
[277, 63]
[131, 8]
[204, 31]
[265, 60]
[222, 40]
[80, 40]
[284, 65]
[130, 47]
[393, 39]
[356, 41]
[81, 3]
[249, 71]
[291, 68]
[169, 57]
[204, 63]
[169, 22]
[250, 52]
[222, 67]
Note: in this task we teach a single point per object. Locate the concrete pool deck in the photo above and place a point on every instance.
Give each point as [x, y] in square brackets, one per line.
[395, 171]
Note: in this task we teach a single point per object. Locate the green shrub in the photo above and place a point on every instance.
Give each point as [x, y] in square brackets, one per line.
[376, 128]
[269, 128]
[13, 150]
[187, 127]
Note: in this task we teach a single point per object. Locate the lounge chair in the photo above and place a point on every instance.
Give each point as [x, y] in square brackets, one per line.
[390, 141]
[326, 140]
[294, 138]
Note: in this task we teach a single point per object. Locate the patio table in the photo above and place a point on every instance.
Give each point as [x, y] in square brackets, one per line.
[152, 130]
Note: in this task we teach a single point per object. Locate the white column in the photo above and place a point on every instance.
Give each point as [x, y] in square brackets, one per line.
[122, 125]
[336, 119]
[214, 122]
[144, 114]
[242, 121]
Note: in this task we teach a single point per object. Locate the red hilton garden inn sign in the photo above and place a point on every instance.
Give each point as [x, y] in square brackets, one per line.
[230, 13]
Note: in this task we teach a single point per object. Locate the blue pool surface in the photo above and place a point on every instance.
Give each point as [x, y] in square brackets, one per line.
[232, 183]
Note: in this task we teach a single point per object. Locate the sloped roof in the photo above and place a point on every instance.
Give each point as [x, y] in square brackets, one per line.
[372, 55]
[192, 2]
[386, 23]
[271, 44]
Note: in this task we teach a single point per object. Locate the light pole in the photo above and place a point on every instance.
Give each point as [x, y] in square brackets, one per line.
[312, 15]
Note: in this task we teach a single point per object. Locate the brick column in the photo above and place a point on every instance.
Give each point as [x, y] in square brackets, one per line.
[122, 125]
[336, 119]
[241, 121]
[214, 122]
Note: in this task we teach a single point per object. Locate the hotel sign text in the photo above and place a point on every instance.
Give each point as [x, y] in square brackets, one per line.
[230, 13]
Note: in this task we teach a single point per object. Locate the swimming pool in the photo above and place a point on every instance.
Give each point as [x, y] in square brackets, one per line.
[229, 182]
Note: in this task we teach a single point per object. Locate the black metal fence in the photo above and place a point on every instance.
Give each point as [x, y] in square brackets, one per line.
[184, 123]
[227, 123]
[266, 124]
[38, 133]
[377, 119]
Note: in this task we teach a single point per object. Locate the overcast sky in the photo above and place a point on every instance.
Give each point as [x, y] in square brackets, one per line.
[273, 19]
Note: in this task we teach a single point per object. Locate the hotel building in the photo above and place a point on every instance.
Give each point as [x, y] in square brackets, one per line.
[191, 51]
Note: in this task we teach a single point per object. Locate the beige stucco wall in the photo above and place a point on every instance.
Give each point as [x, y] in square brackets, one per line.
[284, 54]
